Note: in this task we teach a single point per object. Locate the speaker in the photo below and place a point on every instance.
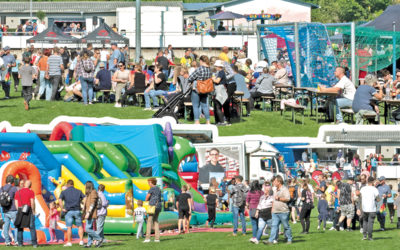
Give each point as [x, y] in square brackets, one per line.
[3, 19]
[95, 20]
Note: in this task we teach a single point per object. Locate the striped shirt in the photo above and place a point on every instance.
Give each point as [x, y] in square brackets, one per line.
[54, 63]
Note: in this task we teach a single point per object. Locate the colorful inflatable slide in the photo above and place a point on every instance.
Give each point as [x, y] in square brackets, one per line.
[120, 157]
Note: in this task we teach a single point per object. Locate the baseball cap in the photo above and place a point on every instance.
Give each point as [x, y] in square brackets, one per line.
[6, 48]
[102, 65]
[382, 178]
[114, 44]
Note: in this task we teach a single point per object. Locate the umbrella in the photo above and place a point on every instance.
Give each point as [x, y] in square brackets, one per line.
[226, 15]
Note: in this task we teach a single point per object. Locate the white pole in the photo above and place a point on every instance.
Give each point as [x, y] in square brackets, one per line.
[138, 31]
[353, 53]
[30, 9]
[297, 52]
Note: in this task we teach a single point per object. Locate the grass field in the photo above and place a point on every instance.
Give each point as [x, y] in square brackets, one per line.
[42, 112]
[329, 240]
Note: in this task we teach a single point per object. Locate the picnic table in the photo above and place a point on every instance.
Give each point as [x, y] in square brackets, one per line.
[329, 96]
[389, 103]
[310, 92]
[280, 87]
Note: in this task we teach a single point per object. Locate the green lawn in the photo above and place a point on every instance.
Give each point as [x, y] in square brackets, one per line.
[42, 112]
[328, 240]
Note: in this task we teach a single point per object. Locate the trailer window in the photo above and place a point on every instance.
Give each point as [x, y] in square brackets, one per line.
[267, 164]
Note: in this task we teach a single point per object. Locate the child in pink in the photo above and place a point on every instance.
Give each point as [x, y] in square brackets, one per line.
[53, 218]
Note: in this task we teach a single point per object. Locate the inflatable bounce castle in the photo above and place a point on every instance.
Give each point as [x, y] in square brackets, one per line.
[122, 158]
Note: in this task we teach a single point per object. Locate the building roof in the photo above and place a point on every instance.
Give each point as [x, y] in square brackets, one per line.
[78, 6]
[199, 6]
[234, 2]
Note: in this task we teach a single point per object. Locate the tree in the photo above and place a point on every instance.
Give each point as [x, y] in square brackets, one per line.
[40, 15]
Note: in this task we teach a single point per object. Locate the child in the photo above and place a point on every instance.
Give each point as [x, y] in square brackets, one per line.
[323, 211]
[212, 203]
[27, 73]
[140, 214]
[184, 206]
[54, 216]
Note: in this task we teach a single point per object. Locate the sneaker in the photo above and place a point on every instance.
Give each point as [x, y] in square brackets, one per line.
[117, 105]
[147, 109]
[8, 244]
[37, 98]
[324, 229]
[69, 244]
[155, 108]
[341, 229]
[146, 241]
[61, 88]
[252, 239]
[81, 243]
[364, 238]
[99, 244]
[34, 246]
[90, 103]
[294, 222]
[256, 242]
[370, 239]
[156, 241]
[361, 231]
[267, 242]
[318, 228]
[381, 229]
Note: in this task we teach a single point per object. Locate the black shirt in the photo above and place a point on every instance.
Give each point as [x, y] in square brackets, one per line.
[163, 84]
[212, 200]
[140, 81]
[72, 198]
[65, 59]
[183, 200]
[163, 61]
[104, 77]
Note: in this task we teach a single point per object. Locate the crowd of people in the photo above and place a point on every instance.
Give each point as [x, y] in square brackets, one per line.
[18, 204]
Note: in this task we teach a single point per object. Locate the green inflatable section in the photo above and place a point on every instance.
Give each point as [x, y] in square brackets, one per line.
[167, 220]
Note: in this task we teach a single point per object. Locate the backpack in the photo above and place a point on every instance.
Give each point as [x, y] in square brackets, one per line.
[87, 68]
[240, 196]
[5, 199]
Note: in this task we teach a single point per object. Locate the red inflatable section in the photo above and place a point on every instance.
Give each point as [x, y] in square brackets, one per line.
[191, 178]
[315, 175]
[62, 129]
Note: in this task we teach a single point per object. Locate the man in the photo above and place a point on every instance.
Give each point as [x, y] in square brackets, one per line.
[239, 204]
[162, 61]
[321, 188]
[101, 212]
[88, 49]
[221, 26]
[9, 210]
[369, 197]
[55, 66]
[224, 54]
[65, 58]
[281, 75]
[212, 167]
[346, 87]
[26, 197]
[186, 60]
[171, 52]
[41, 26]
[126, 55]
[280, 212]
[384, 193]
[103, 80]
[304, 156]
[346, 204]
[8, 63]
[363, 97]
[28, 28]
[264, 87]
[115, 58]
[70, 204]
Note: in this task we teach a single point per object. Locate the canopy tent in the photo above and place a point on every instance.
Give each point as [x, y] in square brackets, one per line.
[53, 35]
[226, 15]
[386, 19]
[104, 35]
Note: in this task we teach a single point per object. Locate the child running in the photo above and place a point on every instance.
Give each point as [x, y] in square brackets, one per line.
[54, 216]
[212, 204]
[323, 210]
[140, 214]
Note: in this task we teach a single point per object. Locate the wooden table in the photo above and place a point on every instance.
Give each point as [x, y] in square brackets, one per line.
[279, 87]
[328, 95]
[240, 95]
[388, 108]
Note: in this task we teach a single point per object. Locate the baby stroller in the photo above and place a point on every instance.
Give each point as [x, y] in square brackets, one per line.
[171, 107]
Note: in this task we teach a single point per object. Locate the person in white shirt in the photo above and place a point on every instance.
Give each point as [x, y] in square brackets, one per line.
[104, 55]
[140, 214]
[282, 75]
[41, 26]
[369, 197]
[347, 90]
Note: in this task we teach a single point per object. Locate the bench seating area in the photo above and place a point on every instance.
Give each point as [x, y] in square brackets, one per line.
[296, 109]
[349, 113]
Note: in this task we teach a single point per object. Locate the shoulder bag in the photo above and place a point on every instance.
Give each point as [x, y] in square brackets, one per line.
[205, 86]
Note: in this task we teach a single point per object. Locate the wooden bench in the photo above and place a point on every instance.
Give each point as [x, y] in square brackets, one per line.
[368, 117]
[187, 106]
[267, 99]
[295, 108]
[349, 113]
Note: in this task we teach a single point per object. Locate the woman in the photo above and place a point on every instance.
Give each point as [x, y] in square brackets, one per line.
[154, 199]
[85, 71]
[121, 77]
[221, 95]
[252, 201]
[356, 164]
[200, 101]
[293, 198]
[73, 60]
[90, 214]
[306, 198]
[137, 85]
[44, 82]
[264, 212]
[242, 87]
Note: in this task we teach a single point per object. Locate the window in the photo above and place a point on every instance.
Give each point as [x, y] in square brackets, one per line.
[268, 164]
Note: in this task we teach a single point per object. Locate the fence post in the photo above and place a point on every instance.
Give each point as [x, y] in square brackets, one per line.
[353, 52]
[297, 52]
